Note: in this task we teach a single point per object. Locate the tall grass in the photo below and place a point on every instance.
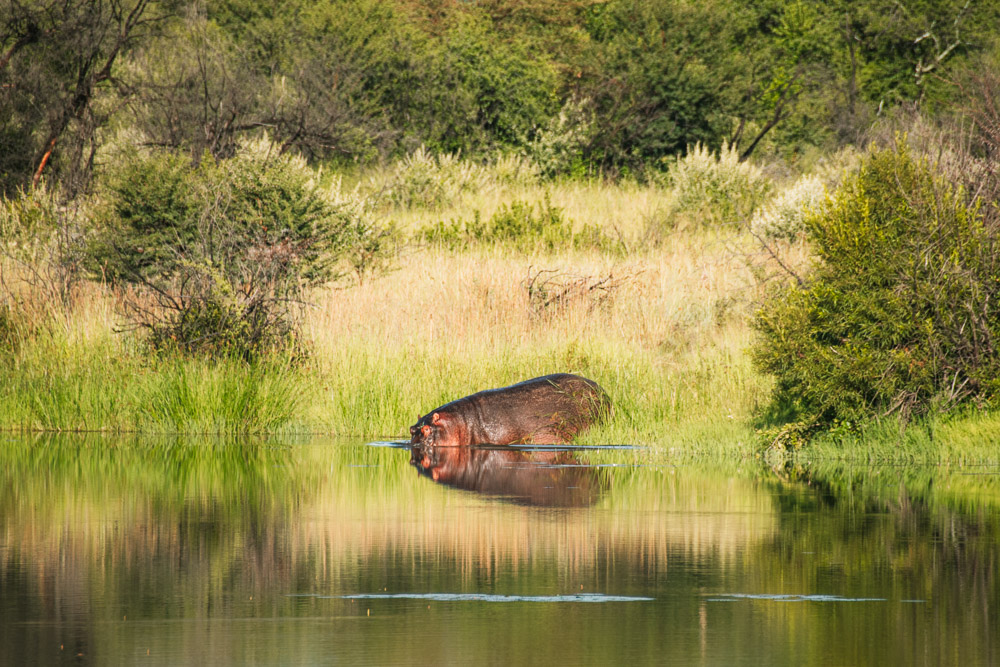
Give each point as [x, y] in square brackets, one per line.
[75, 373]
[666, 341]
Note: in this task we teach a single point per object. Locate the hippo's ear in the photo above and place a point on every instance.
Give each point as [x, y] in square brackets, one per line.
[436, 418]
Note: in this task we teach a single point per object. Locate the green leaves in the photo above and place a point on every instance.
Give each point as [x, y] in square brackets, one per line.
[901, 314]
[221, 251]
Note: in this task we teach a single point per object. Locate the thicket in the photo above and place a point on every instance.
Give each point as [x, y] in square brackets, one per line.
[713, 188]
[901, 314]
[594, 87]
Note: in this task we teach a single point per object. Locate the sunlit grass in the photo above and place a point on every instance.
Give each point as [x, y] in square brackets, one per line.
[967, 437]
[668, 342]
[628, 211]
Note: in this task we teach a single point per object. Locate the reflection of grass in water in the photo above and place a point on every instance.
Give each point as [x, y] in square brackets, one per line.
[958, 489]
[660, 508]
[183, 527]
[899, 532]
[61, 470]
[330, 508]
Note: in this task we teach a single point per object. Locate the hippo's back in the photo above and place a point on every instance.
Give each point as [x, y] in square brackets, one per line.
[549, 409]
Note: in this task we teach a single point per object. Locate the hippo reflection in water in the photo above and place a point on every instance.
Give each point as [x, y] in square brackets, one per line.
[547, 410]
[545, 478]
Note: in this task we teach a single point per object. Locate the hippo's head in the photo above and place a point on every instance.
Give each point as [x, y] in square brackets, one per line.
[435, 430]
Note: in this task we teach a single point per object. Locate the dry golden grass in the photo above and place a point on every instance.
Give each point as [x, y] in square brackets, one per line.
[663, 327]
[475, 301]
[668, 342]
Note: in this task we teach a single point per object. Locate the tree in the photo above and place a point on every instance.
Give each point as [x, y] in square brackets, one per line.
[57, 57]
[655, 79]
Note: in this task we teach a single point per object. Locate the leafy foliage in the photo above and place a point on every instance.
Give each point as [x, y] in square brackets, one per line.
[901, 314]
[783, 216]
[716, 187]
[520, 226]
[58, 60]
[655, 86]
[222, 250]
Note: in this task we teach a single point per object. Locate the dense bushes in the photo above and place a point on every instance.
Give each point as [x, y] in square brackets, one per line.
[426, 180]
[716, 187]
[901, 314]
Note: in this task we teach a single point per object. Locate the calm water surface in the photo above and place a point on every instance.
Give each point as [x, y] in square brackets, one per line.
[331, 552]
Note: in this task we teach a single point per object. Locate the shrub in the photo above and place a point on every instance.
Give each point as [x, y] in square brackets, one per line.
[783, 217]
[425, 180]
[901, 315]
[512, 170]
[220, 251]
[41, 255]
[713, 188]
[558, 147]
[521, 226]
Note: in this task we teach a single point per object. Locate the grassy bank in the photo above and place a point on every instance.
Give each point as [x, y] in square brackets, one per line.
[439, 327]
[660, 319]
[661, 327]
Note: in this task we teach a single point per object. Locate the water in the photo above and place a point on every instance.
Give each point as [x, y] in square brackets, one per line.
[317, 552]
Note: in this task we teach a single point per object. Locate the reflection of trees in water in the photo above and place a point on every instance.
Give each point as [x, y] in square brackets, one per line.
[922, 533]
[537, 477]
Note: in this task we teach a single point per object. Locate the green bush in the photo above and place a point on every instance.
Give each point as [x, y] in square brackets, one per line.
[900, 316]
[221, 250]
[483, 91]
[783, 216]
[423, 180]
[521, 226]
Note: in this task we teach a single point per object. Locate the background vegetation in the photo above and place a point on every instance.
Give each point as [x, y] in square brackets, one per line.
[755, 224]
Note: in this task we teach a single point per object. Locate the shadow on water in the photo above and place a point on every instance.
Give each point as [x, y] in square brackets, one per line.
[536, 476]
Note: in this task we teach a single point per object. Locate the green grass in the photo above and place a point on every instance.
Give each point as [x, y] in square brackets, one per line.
[965, 437]
[703, 399]
[697, 403]
[669, 347]
[57, 384]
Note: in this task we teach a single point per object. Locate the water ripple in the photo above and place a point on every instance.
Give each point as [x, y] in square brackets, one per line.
[481, 597]
[779, 597]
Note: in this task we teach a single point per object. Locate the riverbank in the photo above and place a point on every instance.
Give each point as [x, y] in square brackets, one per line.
[660, 318]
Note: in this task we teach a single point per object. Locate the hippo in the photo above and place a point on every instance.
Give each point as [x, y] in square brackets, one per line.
[548, 410]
